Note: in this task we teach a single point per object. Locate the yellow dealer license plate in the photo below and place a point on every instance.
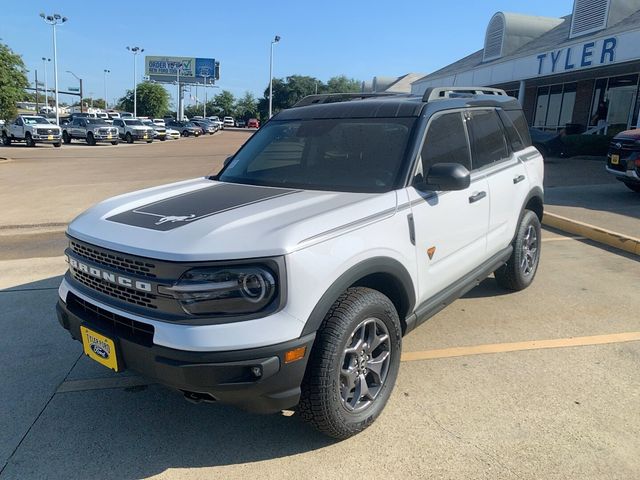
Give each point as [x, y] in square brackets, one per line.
[50, 137]
[100, 348]
[615, 159]
[109, 137]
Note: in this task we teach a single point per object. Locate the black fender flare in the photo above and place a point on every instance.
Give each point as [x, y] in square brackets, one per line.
[374, 265]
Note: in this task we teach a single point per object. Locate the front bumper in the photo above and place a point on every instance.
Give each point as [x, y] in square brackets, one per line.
[629, 176]
[47, 138]
[106, 137]
[228, 377]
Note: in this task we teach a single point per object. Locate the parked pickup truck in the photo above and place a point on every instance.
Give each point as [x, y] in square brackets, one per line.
[31, 129]
[92, 130]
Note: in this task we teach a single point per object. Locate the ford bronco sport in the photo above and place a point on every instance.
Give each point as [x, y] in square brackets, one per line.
[289, 279]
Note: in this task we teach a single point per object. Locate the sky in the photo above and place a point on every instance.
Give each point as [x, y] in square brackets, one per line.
[321, 39]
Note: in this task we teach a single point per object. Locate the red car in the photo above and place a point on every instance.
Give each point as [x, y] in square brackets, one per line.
[253, 123]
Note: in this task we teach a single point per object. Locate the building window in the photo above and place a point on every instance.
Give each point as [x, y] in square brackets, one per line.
[554, 106]
[614, 104]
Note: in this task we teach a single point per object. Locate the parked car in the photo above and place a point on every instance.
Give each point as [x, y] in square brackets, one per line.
[548, 144]
[206, 126]
[173, 134]
[240, 123]
[623, 158]
[71, 117]
[91, 130]
[31, 129]
[159, 131]
[186, 129]
[288, 279]
[215, 119]
[132, 129]
[253, 123]
[126, 115]
[228, 122]
[159, 121]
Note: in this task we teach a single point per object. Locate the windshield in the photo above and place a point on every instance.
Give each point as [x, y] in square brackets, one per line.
[355, 155]
[96, 121]
[34, 120]
[133, 123]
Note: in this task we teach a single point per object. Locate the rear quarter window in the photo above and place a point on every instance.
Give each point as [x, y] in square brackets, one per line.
[519, 122]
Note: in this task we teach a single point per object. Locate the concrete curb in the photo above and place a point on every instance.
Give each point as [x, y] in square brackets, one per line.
[592, 232]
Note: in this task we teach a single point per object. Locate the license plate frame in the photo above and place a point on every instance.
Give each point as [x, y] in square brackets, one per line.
[100, 348]
[615, 159]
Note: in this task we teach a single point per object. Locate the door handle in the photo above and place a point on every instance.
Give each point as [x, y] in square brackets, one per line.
[477, 196]
[518, 179]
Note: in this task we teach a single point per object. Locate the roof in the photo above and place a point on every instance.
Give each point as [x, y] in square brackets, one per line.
[391, 106]
[554, 39]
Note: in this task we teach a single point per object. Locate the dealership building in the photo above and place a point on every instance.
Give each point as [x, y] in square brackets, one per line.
[579, 72]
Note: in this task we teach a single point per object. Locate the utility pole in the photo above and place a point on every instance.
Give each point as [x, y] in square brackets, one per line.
[204, 108]
[53, 20]
[135, 51]
[46, 95]
[106, 102]
[274, 41]
[37, 93]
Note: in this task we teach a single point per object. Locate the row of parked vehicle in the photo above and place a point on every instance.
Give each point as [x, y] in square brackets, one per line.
[93, 128]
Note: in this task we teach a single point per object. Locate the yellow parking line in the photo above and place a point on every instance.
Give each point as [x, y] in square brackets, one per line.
[562, 239]
[518, 346]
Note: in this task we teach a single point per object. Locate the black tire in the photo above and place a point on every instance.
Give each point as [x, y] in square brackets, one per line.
[28, 139]
[149, 141]
[57, 145]
[185, 133]
[114, 143]
[163, 139]
[6, 141]
[520, 270]
[324, 388]
[128, 138]
[66, 138]
[90, 139]
[633, 186]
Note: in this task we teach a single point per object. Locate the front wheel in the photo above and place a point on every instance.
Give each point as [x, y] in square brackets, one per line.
[633, 186]
[519, 271]
[114, 143]
[57, 145]
[90, 139]
[353, 365]
[29, 140]
[6, 141]
[128, 138]
[66, 138]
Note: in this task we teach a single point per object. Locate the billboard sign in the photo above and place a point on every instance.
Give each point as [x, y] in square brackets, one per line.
[192, 70]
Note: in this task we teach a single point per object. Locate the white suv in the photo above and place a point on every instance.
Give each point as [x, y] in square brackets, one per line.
[229, 122]
[289, 279]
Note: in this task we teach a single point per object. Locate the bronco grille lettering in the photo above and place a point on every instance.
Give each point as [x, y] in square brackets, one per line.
[109, 276]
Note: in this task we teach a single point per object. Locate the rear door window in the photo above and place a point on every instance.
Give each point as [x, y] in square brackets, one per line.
[487, 138]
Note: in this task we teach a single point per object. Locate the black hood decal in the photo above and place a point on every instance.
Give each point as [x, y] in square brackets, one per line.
[189, 207]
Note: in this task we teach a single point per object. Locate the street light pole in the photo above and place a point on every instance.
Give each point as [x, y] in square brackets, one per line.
[53, 20]
[179, 106]
[81, 96]
[106, 102]
[204, 108]
[46, 95]
[274, 41]
[135, 51]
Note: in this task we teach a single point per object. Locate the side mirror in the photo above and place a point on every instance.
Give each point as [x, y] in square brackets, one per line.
[227, 160]
[446, 177]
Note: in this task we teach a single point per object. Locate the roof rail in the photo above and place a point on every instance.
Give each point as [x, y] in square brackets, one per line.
[433, 93]
[337, 97]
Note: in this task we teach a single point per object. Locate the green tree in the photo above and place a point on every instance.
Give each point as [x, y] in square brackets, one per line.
[153, 100]
[225, 101]
[342, 84]
[13, 81]
[247, 106]
[288, 91]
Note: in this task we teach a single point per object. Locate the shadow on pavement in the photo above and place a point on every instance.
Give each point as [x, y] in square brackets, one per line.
[122, 433]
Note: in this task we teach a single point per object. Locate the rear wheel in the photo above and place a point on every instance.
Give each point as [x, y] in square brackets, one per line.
[128, 138]
[633, 186]
[520, 269]
[29, 140]
[353, 365]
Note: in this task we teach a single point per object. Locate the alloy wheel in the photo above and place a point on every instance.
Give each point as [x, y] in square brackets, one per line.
[529, 251]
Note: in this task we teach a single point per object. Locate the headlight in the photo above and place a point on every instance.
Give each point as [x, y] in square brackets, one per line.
[224, 290]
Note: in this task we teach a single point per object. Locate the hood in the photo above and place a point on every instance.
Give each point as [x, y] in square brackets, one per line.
[46, 125]
[628, 135]
[204, 219]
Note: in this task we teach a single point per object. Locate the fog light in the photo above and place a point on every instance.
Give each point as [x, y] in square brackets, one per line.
[295, 354]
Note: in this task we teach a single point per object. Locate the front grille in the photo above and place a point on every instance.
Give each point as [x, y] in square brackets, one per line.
[102, 319]
[47, 131]
[117, 261]
[120, 292]
[624, 144]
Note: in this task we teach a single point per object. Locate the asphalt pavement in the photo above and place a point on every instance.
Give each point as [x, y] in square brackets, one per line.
[538, 384]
